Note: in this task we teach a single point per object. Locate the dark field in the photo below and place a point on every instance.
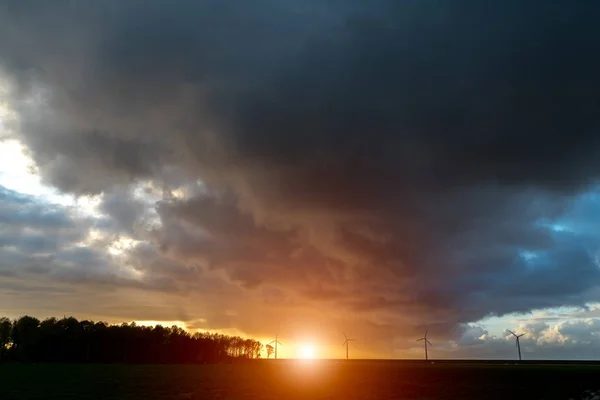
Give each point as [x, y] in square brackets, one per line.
[298, 379]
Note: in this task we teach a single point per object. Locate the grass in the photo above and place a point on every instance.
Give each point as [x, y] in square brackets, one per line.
[296, 379]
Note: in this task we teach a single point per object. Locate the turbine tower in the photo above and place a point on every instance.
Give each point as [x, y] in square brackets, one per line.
[346, 343]
[518, 343]
[426, 342]
[276, 343]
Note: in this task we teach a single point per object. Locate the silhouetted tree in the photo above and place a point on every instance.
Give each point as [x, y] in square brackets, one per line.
[5, 336]
[26, 338]
[69, 340]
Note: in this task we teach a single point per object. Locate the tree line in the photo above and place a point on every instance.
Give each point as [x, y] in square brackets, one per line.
[68, 340]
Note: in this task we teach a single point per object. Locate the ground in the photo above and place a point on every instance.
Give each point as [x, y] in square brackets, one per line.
[301, 379]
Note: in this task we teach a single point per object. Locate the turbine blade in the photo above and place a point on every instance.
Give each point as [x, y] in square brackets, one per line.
[425, 333]
[522, 334]
[428, 342]
[511, 332]
[418, 340]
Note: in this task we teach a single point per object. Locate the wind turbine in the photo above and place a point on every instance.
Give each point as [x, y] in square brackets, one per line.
[518, 343]
[276, 343]
[346, 343]
[426, 342]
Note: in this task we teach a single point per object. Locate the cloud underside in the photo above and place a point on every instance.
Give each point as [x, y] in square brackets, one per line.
[403, 164]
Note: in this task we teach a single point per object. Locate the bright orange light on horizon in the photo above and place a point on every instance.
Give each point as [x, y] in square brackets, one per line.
[306, 351]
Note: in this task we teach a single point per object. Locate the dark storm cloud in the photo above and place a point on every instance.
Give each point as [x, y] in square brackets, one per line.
[123, 210]
[382, 156]
[230, 239]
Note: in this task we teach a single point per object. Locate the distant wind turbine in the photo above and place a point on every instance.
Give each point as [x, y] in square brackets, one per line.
[518, 343]
[346, 342]
[276, 343]
[426, 342]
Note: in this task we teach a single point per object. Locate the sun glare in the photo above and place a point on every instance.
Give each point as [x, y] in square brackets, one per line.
[307, 351]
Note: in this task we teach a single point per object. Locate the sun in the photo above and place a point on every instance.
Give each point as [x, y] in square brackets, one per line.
[307, 351]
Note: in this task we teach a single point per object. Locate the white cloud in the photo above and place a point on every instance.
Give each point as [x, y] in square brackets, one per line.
[18, 173]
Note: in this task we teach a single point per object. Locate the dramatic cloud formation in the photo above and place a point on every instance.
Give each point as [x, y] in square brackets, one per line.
[390, 166]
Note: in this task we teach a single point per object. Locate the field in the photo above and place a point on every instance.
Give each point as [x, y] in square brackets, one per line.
[302, 379]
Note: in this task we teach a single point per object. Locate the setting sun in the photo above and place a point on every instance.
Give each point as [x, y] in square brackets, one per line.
[307, 351]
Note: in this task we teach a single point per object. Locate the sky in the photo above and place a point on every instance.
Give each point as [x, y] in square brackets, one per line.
[307, 169]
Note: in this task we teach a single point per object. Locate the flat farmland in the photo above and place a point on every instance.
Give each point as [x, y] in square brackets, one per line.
[318, 379]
